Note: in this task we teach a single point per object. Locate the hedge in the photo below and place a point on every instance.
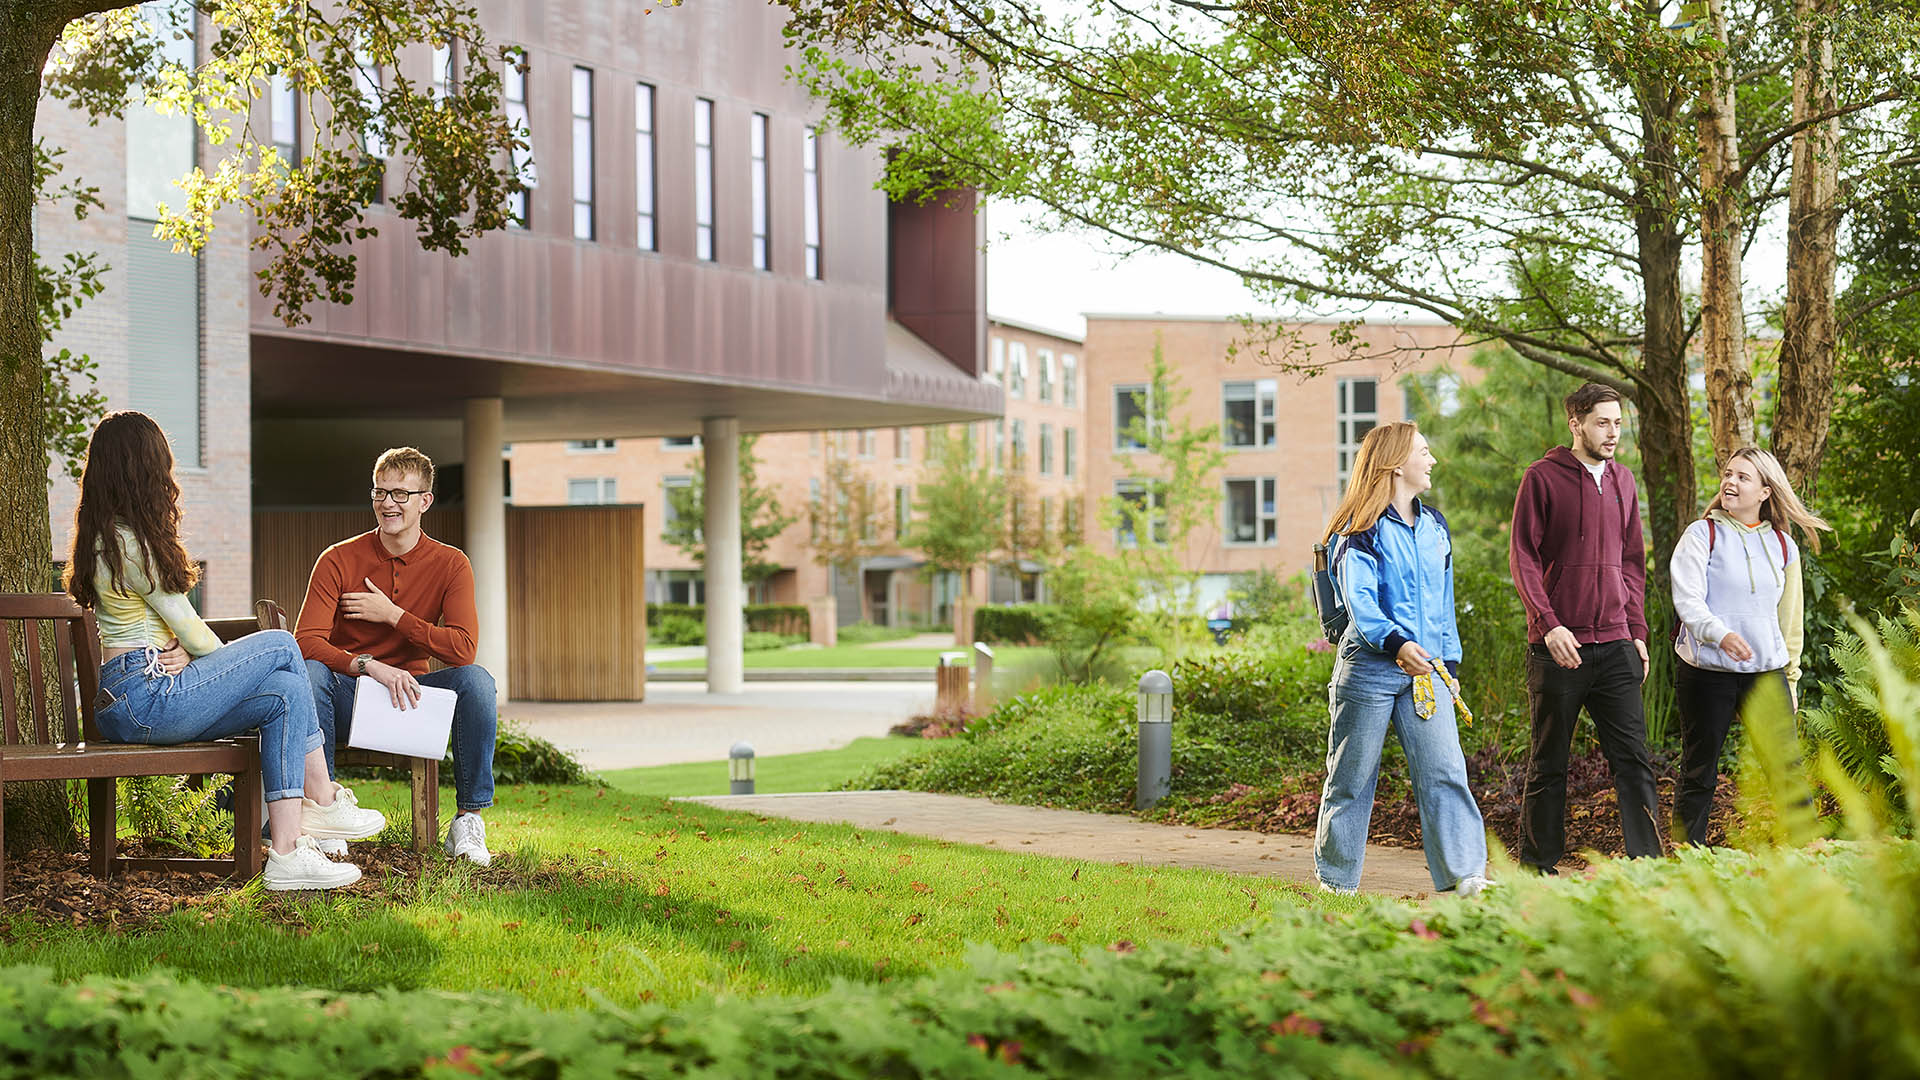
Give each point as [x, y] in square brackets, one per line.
[789, 619]
[1012, 624]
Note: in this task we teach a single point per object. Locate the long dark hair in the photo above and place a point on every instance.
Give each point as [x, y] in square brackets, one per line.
[128, 480]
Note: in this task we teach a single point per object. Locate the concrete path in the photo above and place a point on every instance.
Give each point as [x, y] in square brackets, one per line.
[682, 722]
[1073, 834]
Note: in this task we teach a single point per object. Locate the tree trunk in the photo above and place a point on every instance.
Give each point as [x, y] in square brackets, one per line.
[1813, 222]
[37, 814]
[1722, 312]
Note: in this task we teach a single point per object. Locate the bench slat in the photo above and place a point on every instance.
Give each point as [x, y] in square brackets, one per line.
[36, 678]
[9, 707]
[39, 606]
[79, 761]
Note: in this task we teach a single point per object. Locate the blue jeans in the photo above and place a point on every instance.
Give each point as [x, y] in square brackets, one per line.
[255, 682]
[1368, 694]
[475, 722]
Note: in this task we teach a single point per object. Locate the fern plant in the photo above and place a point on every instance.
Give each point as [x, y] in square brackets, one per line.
[1857, 723]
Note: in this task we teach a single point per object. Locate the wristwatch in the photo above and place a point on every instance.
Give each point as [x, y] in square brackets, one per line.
[360, 663]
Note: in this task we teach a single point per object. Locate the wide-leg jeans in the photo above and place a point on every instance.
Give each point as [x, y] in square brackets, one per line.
[1369, 694]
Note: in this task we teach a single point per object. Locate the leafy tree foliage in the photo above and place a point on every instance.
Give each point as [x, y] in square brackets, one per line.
[762, 519]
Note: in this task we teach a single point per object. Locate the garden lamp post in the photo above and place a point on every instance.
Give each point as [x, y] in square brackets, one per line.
[740, 769]
[1156, 739]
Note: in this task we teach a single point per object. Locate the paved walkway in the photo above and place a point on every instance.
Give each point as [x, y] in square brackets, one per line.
[1073, 834]
[682, 722]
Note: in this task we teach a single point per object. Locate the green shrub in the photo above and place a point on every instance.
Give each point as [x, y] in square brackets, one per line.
[521, 758]
[679, 630]
[773, 618]
[1013, 624]
[762, 641]
[1853, 722]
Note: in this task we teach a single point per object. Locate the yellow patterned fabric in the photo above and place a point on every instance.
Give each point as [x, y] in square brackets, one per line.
[1424, 704]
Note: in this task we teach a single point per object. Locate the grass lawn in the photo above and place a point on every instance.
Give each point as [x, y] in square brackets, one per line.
[853, 656]
[601, 894]
[820, 770]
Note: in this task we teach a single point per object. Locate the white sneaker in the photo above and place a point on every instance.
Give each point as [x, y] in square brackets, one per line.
[1472, 885]
[305, 868]
[1336, 890]
[332, 847]
[344, 820]
[467, 839]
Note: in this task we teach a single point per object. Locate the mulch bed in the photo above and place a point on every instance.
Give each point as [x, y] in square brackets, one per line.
[1593, 819]
[56, 887]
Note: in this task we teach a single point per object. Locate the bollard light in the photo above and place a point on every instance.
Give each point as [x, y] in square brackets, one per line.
[740, 769]
[1155, 714]
[983, 699]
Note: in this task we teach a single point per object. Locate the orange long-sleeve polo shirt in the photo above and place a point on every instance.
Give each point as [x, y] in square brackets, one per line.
[432, 584]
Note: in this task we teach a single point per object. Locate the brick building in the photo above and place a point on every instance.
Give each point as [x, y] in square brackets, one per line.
[1041, 440]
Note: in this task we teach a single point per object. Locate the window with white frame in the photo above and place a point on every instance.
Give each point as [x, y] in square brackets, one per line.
[762, 230]
[668, 514]
[1250, 511]
[590, 446]
[996, 360]
[869, 442]
[1070, 519]
[1046, 449]
[1067, 448]
[582, 96]
[1247, 413]
[1045, 357]
[284, 100]
[514, 93]
[1137, 504]
[1130, 414]
[810, 197]
[902, 511]
[680, 442]
[589, 490]
[1069, 379]
[645, 172]
[1019, 444]
[1016, 369]
[446, 77]
[703, 179]
[902, 444]
[1356, 412]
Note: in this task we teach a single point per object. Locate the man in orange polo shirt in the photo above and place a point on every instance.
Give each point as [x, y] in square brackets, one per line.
[382, 604]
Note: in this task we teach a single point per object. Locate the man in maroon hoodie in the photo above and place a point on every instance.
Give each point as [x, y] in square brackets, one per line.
[1581, 569]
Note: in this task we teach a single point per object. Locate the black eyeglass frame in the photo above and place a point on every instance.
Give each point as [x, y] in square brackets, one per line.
[400, 496]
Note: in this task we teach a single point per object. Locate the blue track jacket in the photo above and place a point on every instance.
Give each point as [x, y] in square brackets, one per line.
[1397, 582]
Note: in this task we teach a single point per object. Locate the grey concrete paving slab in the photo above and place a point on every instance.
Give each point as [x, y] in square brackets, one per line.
[1112, 838]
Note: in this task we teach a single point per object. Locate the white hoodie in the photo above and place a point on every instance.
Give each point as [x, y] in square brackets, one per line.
[1750, 585]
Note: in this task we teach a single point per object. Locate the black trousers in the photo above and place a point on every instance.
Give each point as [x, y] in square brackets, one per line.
[1708, 701]
[1607, 683]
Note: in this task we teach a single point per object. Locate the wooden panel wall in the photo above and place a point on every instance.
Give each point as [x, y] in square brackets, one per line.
[576, 603]
[286, 544]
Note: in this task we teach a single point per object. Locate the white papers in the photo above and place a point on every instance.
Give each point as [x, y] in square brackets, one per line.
[420, 731]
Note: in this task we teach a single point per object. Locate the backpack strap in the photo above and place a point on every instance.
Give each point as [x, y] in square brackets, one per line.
[1712, 534]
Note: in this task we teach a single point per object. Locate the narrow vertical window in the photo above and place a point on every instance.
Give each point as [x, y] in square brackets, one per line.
[284, 101]
[582, 153]
[1356, 412]
[762, 231]
[810, 196]
[373, 138]
[703, 179]
[514, 90]
[1069, 379]
[643, 169]
[445, 79]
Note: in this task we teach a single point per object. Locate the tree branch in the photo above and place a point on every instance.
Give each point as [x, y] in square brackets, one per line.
[1877, 302]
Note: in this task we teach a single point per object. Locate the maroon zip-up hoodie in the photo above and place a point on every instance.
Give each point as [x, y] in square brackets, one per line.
[1576, 553]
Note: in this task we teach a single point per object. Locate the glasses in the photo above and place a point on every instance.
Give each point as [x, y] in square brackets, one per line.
[398, 495]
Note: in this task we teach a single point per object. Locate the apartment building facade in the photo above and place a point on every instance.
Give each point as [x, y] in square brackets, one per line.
[695, 258]
[1289, 438]
[1039, 446]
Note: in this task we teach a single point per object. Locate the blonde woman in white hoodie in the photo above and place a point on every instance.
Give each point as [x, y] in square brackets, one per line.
[1738, 597]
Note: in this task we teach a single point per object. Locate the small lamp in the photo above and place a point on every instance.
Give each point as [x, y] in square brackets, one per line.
[740, 769]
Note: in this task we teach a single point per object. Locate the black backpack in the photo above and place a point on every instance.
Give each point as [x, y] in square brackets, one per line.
[1326, 597]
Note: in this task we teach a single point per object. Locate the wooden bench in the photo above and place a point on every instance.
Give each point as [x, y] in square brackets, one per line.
[424, 772]
[28, 752]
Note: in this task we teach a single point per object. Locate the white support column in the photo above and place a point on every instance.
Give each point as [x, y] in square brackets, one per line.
[720, 447]
[486, 504]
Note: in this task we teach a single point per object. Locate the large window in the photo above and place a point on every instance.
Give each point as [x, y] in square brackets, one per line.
[1247, 413]
[582, 153]
[1016, 369]
[1069, 379]
[1356, 412]
[643, 168]
[284, 101]
[514, 91]
[445, 74]
[1250, 511]
[703, 179]
[588, 490]
[590, 446]
[1067, 449]
[165, 376]
[1129, 416]
[1046, 375]
[810, 197]
[762, 230]
[1046, 449]
[668, 514]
